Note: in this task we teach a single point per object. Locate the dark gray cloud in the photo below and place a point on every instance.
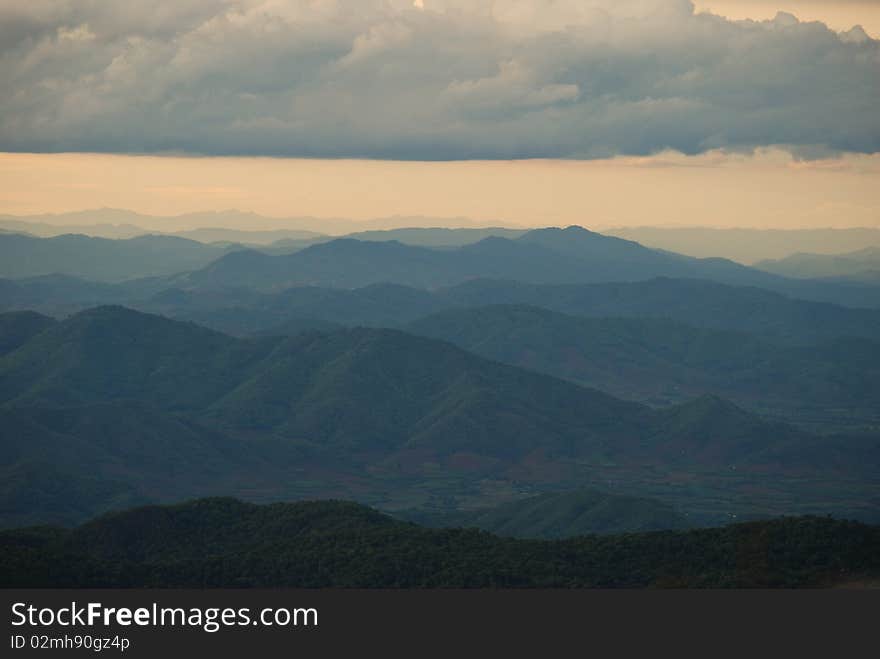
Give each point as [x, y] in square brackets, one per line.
[455, 79]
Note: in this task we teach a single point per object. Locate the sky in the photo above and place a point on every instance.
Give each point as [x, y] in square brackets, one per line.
[766, 190]
[837, 14]
[531, 112]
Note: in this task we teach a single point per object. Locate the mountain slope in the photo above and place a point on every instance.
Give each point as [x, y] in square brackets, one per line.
[18, 327]
[374, 384]
[661, 361]
[388, 390]
[113, 353]
[63, 465]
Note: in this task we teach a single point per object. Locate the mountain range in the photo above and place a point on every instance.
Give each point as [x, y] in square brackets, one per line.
[533, 383]
[744, 245]
[772, 317]
[124, 406]
[237, 310]
[541, 256]
[659, 342]
[545, 256]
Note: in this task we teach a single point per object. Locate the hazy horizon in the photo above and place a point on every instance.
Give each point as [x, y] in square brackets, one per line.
[767, 190]
[219, 218]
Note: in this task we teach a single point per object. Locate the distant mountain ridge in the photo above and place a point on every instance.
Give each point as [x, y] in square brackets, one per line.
[121, 223]
[750, 245]
[861, 264]
[102, 259]
[542, 256]
[770, 316]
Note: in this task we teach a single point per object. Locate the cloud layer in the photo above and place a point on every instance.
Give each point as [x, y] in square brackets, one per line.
[430, 80]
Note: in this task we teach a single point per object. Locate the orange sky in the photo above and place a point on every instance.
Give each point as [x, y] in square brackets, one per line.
[714, 189]
[837, 14]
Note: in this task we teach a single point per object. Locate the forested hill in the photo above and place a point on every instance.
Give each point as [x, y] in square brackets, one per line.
[227, 543]
[660, 361]
[120, 406]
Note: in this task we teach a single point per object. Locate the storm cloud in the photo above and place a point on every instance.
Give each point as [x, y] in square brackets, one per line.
[429, 80]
